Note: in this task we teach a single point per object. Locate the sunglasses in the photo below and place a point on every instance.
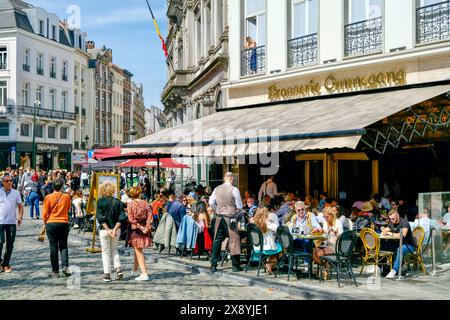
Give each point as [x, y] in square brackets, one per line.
[7, 180]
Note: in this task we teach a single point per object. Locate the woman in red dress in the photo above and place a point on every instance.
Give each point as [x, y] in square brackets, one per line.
[140, 219]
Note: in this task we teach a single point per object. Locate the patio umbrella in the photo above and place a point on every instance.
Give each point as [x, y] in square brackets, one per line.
[153, 163]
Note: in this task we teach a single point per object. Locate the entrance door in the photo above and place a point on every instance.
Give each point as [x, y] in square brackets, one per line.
[315, 173]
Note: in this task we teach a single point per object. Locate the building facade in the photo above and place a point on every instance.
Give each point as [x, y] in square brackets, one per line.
[127, 97]
[138, 110]
[117, 106]
[37, 61]
[155, 120]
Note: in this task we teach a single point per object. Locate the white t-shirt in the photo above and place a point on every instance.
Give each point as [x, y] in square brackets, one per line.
[84, 176]
[333, 232]
[8, 206]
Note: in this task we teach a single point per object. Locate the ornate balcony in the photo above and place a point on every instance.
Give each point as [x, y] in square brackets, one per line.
[364, 37]
[46, 113]
[253, 61]
[433, 22]
[302, 51]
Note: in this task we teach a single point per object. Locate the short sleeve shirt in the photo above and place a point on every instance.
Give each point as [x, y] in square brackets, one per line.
[8, 204]
[403, 223]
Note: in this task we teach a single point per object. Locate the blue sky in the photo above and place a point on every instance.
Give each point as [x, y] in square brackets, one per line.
[125, 27]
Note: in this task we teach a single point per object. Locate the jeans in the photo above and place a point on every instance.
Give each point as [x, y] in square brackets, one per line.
[109, 246]
[57, 234]
[406, 249]
[34, 203]
[8, 235]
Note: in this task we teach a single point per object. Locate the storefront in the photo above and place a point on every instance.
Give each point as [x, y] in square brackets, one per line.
[79, 158]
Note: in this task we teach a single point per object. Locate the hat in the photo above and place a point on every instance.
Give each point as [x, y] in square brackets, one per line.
[366, 207]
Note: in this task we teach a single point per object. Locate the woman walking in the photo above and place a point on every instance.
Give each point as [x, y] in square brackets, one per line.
[110, 215]
[140, 218]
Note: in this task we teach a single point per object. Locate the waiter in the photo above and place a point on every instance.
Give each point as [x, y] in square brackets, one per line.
[227, 202]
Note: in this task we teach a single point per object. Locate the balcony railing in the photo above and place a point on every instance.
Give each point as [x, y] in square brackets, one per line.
[26, 67]
[40, 71]
[302, 51]
[53, 74]
[364, 37]
[253, 61]
[46, 113]
[6, 110]
[433, 22]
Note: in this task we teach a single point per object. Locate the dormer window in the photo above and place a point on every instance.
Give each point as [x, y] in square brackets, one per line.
[54, 32]
[41, 27]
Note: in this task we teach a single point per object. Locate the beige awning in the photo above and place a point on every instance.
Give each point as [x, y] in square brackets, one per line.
[326, 123]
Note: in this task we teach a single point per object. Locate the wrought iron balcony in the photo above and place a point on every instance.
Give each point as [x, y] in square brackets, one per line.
[26, 67]
[46, 113]
[364, 37]
[40, 71]
[302, 51]
[77, 110]
[253, 61]
[433, 22]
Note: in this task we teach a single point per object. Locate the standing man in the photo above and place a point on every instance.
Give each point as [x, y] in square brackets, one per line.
[226, 200]
[9, 199]
[268, 188]
[84, 180]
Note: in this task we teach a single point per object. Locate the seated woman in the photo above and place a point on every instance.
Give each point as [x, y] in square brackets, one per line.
[268, 228]
[332, 228]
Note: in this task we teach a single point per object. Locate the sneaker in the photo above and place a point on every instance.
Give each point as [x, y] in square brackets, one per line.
[66, 272]
[54, 275]
[142, 277]
[133, 273]
[7, 269]
[107, 277]
[119, 273]
[392, 274]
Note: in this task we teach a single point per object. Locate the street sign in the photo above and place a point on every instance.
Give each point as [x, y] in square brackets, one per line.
[13, 155]
[92, 161]
[90, 154]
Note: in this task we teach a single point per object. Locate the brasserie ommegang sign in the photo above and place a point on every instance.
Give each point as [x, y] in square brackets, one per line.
[333, 85]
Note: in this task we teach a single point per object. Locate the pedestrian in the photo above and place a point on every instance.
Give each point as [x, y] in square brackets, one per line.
[34, 196]
[56, 220]
[226, 200]
[26, 185]
[140, 220]
[9, 199]
[110, 216]
[84, 180]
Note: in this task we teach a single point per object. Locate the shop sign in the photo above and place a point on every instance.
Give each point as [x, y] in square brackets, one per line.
[333, 85]
[46, 148]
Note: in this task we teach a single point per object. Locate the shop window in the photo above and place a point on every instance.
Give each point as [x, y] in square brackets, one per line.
[4, 129]
[64, 133]
[24, 129]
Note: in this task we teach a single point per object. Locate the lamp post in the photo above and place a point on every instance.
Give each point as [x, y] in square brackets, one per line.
[33, 146]
[133, 133]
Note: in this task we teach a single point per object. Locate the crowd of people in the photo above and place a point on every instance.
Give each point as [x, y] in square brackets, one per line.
[197, 218]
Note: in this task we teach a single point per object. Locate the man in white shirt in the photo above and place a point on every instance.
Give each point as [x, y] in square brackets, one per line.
[268, 188]
[226, 201]
[84, 180]
[9, 199]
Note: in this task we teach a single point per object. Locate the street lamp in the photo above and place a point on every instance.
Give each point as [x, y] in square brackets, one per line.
[86, 138]
[33, 146]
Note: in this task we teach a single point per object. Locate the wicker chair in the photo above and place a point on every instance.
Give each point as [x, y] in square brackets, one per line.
[372, 254]
[415, 257]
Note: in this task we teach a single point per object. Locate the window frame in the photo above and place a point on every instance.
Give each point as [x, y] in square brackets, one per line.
[28, 129]
[61, 136]
[307, 17]
[4, 93]
[4, 126]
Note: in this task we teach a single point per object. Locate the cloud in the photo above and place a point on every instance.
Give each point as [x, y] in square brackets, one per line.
[124, 16]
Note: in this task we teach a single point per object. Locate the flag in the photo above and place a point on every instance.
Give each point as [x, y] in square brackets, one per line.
[158, 32]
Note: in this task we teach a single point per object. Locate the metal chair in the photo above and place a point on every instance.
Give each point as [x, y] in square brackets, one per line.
[415, 257]
[342, 260]
[291, 255]
[255, 239]
[372, 253]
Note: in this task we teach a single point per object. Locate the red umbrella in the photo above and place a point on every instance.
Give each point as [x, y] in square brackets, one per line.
[153, 163]
[104, 153]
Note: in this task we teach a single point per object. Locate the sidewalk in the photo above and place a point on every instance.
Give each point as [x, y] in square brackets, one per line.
[414, 286]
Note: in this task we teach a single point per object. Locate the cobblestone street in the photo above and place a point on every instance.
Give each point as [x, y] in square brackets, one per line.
[31, 266]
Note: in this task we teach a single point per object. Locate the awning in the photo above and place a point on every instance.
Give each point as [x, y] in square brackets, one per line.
[323, 123]
[153, 163]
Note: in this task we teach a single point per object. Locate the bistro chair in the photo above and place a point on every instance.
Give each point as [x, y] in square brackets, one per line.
[291, 255]
[372, 254]
[415, 257]
[342, 260]
[255, 239]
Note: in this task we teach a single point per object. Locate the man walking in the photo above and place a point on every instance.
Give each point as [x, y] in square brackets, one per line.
[56, 220]
[227, 202]
[268, 188]
[9, 199]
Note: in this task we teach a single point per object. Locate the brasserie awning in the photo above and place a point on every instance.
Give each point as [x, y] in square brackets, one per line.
[322, 123]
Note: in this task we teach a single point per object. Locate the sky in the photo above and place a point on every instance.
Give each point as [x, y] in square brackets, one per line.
[126, 27]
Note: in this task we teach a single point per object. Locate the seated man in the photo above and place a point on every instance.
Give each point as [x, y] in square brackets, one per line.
[251, 207]
[395, 226]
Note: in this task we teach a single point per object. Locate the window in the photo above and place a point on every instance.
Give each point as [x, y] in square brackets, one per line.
[198, 35]
[208, 25]
[26, 94]
[26, 60]
[361, 10]
[63, 133]
[3, 59]
[39, 133]
[64, 70]
[3, 94]
[97, 100]
[305, 15]
[102, 136]
[40, 64]
[255, 21]
[24, 129]
[41, 27]
[53, 67]
[97, 131]
[53, 98]
[40, 95]
[220, 18]
[52, 132]
[64, 97]
[53, 32]
[82, 100]
[4, 129]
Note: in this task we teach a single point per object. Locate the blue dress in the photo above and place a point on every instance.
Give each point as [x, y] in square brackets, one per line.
[253, 62]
